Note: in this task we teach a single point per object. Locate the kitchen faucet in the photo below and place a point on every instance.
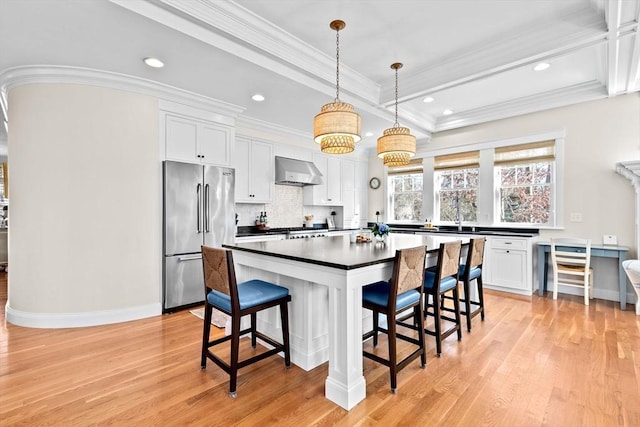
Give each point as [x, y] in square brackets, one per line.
[458, 215]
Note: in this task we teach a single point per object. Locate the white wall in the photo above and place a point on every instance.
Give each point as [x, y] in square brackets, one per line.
[85, 183]
[598, 134]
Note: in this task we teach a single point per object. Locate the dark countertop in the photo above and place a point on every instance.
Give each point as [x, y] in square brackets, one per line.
[470, 230]
[338, 252]
[246, 231]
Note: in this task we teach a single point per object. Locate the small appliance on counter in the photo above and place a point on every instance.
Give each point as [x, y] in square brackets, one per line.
[308, 221]
[331, 224]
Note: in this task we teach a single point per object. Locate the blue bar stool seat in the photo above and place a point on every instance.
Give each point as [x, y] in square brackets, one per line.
[237, 300]
[403, 292]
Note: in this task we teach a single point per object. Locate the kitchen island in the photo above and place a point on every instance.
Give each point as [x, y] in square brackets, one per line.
[325, 278]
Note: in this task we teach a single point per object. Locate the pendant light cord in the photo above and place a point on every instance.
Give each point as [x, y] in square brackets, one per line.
[396, 124]
[337, 66]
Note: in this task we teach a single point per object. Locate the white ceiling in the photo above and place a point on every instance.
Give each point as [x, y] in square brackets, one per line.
[474, 57]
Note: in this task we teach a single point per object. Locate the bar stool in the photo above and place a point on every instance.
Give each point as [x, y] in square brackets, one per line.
[237, 300]
[469, 271]
[439, 280]
[402, 292]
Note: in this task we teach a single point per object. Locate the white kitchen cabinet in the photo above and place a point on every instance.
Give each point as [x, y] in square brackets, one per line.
[508, 264]
[329, 193]
[196, 141]
[254, 164]
[354, 193]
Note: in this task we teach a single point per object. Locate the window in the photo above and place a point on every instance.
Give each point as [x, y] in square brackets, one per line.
[456, 182]
[524, 176]
[405, 192]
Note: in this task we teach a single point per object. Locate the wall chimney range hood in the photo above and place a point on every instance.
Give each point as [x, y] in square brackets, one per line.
[296, 172]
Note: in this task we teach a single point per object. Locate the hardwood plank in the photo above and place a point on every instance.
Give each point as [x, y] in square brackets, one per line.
[533, 361]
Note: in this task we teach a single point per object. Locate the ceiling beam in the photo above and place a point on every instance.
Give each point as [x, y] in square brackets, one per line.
[613, 17]
[633, 79]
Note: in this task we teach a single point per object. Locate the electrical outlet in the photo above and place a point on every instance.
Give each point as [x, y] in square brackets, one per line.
[575, 217]
[609, 239]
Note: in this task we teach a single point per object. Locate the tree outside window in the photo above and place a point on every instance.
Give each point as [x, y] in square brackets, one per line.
[458, 191]
[525, 193]
[525, 179]
[406, 196]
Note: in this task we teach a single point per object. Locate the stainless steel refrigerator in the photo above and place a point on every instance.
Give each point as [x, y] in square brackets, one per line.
[198, 210]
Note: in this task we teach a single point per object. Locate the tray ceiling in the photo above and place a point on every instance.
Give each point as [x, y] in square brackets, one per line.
[474, 57]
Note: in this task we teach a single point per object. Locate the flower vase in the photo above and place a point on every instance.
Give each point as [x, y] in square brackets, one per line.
[380, 239]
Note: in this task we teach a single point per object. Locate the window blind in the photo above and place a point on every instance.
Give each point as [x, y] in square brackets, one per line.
[534, 152]
[414, 166]
[468, 159]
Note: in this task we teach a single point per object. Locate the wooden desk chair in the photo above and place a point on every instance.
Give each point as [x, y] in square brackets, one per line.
[469, 271]
[237, 300]
[403, 292]
[571, 265]
[438, 281]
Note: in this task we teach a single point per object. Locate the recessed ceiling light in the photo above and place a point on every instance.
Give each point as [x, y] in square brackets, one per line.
[368, 134]
[428, 99]
[447, 112]
[153, 62]
[541, 66]
[257, 97]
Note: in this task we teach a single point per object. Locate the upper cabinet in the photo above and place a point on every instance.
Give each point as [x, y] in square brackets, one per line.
[329, 193]
[254, 164]
[197, 141]
[193, 135]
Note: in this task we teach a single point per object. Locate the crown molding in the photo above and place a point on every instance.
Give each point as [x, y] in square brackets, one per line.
[17, 76]
[256, 40]
[245, 124]
[589, 91]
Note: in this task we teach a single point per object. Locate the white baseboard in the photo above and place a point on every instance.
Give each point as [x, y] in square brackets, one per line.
[606, 294]
[77, 320]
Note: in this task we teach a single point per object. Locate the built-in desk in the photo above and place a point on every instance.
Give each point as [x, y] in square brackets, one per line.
[619, 252]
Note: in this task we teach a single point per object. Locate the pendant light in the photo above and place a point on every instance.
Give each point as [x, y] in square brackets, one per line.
[396, 145]
[337, 127]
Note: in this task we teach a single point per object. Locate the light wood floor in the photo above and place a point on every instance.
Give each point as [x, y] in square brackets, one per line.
[533, 361]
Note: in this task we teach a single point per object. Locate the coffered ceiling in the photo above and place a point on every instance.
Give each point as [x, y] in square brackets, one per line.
[473, 57]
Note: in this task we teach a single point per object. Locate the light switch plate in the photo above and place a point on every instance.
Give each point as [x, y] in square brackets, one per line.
[609, 239]
[575, 217]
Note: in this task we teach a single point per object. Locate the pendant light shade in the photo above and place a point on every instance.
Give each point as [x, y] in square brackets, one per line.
[337, 127]
[396, 146]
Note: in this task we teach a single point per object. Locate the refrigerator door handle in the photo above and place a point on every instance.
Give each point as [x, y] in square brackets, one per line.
[206, 208]
[198, 209]
[190, 257]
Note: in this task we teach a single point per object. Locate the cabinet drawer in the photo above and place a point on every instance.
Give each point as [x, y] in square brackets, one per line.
[508, 243]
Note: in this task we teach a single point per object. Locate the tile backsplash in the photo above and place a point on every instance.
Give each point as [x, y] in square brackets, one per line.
[287, 209]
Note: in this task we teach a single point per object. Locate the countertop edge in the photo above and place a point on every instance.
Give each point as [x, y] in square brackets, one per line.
[306, 260]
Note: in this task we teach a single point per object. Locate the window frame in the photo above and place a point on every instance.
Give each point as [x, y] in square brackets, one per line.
[498, 198]
[486, 179]
[459, 161]
[414, 168]
[437, 190]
